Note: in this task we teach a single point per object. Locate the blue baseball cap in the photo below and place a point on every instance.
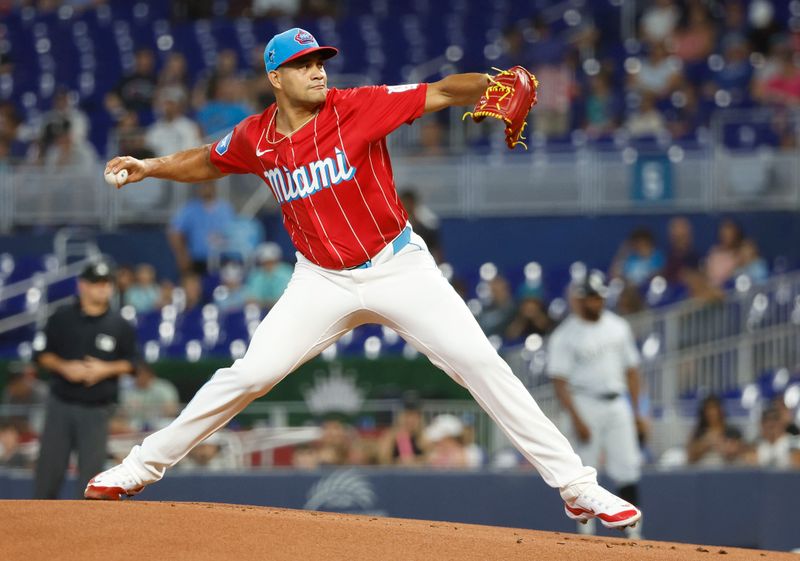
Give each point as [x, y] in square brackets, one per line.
[293, 44]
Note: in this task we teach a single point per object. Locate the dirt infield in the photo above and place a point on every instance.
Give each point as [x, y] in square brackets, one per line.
[144, 531]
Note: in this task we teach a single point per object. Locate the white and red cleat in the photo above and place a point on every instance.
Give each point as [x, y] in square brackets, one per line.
[112, 484]
[596, 502]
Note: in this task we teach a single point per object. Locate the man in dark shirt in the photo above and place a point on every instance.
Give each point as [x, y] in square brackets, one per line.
[88, 346]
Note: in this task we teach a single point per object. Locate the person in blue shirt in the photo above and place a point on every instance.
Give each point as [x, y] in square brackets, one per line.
[198, 230]
[638, 259]
[266, 283]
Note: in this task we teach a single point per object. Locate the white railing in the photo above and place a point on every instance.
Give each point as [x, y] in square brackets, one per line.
[546, 180]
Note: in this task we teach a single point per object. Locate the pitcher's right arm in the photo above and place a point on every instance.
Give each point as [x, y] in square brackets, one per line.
[189, 166]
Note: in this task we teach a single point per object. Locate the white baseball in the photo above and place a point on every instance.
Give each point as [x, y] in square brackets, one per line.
[117, 179]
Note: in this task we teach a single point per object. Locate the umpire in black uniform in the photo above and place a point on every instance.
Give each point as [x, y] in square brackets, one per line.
[88, 346]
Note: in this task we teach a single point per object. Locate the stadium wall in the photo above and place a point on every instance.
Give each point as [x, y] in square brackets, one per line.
[691, 506]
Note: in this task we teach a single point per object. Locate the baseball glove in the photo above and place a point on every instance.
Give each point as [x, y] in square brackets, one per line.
[509, 98]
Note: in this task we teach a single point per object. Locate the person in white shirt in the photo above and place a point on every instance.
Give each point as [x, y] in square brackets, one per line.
[173, 131]
[593, 363]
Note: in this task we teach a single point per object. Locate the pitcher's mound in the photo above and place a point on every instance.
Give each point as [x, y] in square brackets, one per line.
[138, 530]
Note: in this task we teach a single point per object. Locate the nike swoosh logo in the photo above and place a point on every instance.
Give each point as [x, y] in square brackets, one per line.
[260, 153]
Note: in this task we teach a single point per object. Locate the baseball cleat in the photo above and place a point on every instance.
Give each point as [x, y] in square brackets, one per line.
[113, 484]
[596, 502]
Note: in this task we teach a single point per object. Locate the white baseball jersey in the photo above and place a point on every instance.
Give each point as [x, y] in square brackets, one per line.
[593, 356]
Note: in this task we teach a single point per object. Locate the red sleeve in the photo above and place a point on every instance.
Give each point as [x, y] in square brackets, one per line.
[382, 109]
[235, 152]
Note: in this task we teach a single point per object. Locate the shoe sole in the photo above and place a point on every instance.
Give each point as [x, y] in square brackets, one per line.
[584, 516]
[109, 493]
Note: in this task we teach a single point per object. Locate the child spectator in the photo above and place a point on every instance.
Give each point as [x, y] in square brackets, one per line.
[266, 283]
[751, 263]
[403, 443]
[144, 294]
[447, 449]
[638, 260]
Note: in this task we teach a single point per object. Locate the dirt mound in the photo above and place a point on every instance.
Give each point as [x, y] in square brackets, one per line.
[138, 530]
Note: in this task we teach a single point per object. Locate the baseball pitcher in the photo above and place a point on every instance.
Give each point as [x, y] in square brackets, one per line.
[322, 152]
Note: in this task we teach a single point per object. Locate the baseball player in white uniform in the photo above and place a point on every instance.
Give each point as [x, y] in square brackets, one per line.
[593, 363]
[322, 152]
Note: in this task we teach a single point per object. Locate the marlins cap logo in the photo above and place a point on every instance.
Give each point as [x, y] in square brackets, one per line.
[304, 37]
[222, 145]
[272, 55]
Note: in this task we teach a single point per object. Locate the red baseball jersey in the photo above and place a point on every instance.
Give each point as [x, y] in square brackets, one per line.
[332, 177]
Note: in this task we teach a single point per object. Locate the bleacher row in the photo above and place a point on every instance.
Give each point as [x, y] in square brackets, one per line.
[207, 330]
[89, 51]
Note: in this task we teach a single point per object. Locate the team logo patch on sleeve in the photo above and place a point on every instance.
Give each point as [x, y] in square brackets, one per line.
[222, 145]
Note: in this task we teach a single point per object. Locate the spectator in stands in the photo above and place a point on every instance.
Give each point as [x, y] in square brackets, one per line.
[266, 283]
[333, 447]
[173, 131]
[737, 72]
[763, 24]
[783, 88]
[136, 91]
[199, 228]
[775, 446]
[659, 74]
[192, 287]
[13, 132]
[150, 402]
[130, 137]
[681, 255]
[10, 454]
[660, 20]
[734, 450]
[646, 121]
[175, 72]
[275, 8]
[685, 113]
[225, 108]
[231, 295]
[602, 108]
[696, 36]
[27, 394]
[423, 221]
[500, 311]
[708, 439]
[67, 152]
[124, 279]
[787, 418]
[63, 116]
[432, 138]
[724, 257]
[445, 437]
[87, 347]
[225, 66]
[144, 294]
[734, 26]
[209, 455]
[751, 263]
[531, 318]
[403, 444]
[554, 108]
[638, 259]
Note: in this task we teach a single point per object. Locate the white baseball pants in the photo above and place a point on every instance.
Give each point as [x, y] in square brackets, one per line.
[613, 429]
[406, 292]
